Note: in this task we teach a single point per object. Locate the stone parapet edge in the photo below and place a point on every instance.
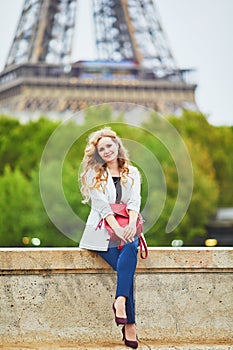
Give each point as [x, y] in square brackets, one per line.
[75, 260]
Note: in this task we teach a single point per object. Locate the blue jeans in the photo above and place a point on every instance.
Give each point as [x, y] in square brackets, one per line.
[124, 262]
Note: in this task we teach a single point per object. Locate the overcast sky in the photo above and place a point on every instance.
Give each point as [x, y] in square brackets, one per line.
[199, 32]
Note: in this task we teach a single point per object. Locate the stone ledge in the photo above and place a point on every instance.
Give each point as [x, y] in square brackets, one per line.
[63, 297]
[75, 260]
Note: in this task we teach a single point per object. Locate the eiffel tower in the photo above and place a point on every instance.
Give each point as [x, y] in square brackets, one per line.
[133, 65]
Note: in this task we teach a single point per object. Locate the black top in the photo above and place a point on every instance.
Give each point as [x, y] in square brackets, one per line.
[117, 183]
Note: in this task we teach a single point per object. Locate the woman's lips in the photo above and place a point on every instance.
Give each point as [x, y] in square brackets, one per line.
[108, 155]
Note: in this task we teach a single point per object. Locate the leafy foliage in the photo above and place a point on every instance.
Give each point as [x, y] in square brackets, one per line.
[23, 215]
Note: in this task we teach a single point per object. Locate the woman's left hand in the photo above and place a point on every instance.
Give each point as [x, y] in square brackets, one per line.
[130, 231]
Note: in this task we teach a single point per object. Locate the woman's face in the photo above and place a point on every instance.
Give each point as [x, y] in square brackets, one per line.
[107, 149]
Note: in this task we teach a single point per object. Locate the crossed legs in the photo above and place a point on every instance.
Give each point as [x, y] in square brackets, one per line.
[124, 262]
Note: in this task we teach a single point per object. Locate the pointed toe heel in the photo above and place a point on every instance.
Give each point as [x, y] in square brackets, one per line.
[130, 343]
[119, 320]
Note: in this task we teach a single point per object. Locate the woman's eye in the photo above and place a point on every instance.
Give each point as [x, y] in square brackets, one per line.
[108, 146]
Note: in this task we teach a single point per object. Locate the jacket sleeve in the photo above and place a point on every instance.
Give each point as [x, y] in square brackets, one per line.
[99, 201]
[134, 201]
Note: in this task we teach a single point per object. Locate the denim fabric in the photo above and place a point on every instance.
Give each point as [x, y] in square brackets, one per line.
[124, 262]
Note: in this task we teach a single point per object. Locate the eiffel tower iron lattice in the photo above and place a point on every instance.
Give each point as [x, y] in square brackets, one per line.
[44, 32]
[132, 32]
[133, 63]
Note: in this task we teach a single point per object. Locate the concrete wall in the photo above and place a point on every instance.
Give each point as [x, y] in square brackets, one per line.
[64, 296]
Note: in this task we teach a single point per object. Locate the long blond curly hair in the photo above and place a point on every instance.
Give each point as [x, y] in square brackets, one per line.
[92, 160]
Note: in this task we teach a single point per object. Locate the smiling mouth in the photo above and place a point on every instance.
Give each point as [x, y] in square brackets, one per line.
[108, 155]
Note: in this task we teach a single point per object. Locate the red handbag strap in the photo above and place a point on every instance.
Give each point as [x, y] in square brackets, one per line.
[142, 247]
[142, 244]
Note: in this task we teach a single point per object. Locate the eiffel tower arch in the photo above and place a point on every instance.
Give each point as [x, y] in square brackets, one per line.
[133, 63]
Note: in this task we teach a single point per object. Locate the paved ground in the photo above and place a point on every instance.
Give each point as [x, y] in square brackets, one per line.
[142, 346]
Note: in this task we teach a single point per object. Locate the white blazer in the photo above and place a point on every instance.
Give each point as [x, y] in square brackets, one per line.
[98, 239]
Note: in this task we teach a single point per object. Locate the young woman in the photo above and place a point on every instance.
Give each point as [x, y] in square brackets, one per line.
[109, 178]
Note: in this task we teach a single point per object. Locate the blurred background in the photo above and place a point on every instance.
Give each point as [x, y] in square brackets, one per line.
[61, 57]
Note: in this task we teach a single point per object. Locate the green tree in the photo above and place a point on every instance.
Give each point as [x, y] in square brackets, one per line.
[217, 141]
[9, 142]
[46, 231]
[205, 192]
[21, 146]
[17, 206]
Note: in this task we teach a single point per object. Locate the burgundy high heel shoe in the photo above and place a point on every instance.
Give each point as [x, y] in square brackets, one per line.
[131, 343]
[118, 320]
